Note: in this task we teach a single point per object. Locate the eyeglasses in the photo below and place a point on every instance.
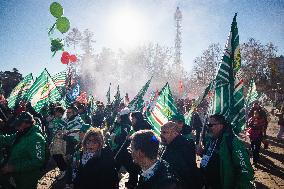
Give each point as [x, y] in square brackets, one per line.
[209, 125]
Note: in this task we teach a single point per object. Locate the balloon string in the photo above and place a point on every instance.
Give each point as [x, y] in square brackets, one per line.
[51, 30]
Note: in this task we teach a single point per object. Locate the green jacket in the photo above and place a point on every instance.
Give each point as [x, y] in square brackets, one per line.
[27, 156]
[236, 171]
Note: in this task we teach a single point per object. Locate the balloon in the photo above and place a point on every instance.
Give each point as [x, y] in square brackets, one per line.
[65, 57]
[56, 10]
[73, 58]
[62, 24]
[56, 45]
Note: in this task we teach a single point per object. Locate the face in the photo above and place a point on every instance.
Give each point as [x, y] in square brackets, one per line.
[92, 145]
[134, 153]
[215, 128]
[255, 114]
[69, 113]
[167, 135]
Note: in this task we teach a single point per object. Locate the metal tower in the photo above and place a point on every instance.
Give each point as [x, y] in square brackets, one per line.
[178, 19]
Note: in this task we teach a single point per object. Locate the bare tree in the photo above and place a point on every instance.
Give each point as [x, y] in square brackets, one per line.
[74, 38]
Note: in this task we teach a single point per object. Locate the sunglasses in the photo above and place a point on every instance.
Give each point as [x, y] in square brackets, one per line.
[209, 125]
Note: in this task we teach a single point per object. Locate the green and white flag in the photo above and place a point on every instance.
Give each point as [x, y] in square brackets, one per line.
[162, 111]
[137, 103]
[252, 93]
[59, 79]
[19, 91]
[42, 92]
[228, 98]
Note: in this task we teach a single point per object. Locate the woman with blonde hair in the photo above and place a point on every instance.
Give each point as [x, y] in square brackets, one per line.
[93, 165]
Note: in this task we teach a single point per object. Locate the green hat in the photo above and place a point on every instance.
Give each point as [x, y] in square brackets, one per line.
[85, 128]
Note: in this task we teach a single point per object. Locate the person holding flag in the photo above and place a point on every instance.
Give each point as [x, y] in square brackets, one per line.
[225, 161]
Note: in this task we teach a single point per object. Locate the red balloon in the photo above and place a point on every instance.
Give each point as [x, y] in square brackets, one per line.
[73, 58]
[64, 60]
[65, 54]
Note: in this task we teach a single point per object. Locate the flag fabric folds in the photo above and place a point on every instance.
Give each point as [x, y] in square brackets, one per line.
[59, 79]
[228, 98]
[252, 93]
[20, 90]
[163, 109]
[137, 103]
[42, 92]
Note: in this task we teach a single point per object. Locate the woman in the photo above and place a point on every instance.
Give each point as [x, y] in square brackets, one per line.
[93, 166]
[256, 132]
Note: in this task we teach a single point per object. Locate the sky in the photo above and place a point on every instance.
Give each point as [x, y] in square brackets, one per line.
[24, 42]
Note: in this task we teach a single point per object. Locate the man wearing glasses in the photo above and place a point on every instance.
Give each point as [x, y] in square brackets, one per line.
[225, 161]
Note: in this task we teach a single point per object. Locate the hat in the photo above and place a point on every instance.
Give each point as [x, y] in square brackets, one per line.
[124, 111]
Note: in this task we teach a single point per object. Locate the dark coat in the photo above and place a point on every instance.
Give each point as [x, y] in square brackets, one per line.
[180, 154]
[196, 122]
[99, 172]
[163, 178]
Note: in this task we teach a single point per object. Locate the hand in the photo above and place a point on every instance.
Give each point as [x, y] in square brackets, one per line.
[7, 169]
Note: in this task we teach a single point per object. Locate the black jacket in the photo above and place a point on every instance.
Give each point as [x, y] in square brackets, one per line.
[180, 154]
[163, 178]
[99, 172]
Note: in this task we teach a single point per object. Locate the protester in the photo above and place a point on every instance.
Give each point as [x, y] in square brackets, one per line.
[280, 115]
[93, 165]
[27, 154]
[184, 129]
[138, 122]
[180, 154]
[225, 161]
[196, 124]
[58, 145]
[156, 174]
[256, 132]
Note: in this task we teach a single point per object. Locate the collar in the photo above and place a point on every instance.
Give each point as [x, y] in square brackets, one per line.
[149, 172]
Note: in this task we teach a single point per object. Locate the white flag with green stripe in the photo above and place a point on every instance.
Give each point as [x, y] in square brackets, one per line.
[59, 79]
[42, 92]
[228, 98]
[252, 93]
[19, 91]
[164, 108]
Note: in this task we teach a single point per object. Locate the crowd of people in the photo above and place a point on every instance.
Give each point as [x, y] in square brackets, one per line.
[92, 149]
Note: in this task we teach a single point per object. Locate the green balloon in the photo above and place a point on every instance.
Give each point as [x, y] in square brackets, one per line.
[62, 24]
[56, 9]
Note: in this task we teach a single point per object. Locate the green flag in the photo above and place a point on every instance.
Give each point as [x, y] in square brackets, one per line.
[252, 93]
[59, 79]
[42, 92]
[19, 91]
[163, 109]
[228, 98]
[137, 103]
[117, 99]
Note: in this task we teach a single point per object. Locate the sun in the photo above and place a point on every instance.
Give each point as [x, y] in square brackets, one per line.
[128, 27]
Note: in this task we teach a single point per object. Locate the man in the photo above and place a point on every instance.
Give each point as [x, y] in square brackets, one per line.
[58, 145]
[225, 162]
[180, 154]
[156, 174]
[196, 124]
[27, 155]
[184, 130]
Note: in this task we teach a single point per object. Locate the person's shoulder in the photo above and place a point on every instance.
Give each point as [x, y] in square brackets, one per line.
[165, 176]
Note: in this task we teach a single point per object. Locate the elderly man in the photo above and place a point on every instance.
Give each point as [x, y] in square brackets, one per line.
[225, 161]
[156, 174]
[27, 155]
[180, 154]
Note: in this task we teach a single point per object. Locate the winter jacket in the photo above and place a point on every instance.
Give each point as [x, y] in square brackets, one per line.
[257, 126]
[99, 172]
[180, 154]
[235, 169]
[162, 178]
[27, 155]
